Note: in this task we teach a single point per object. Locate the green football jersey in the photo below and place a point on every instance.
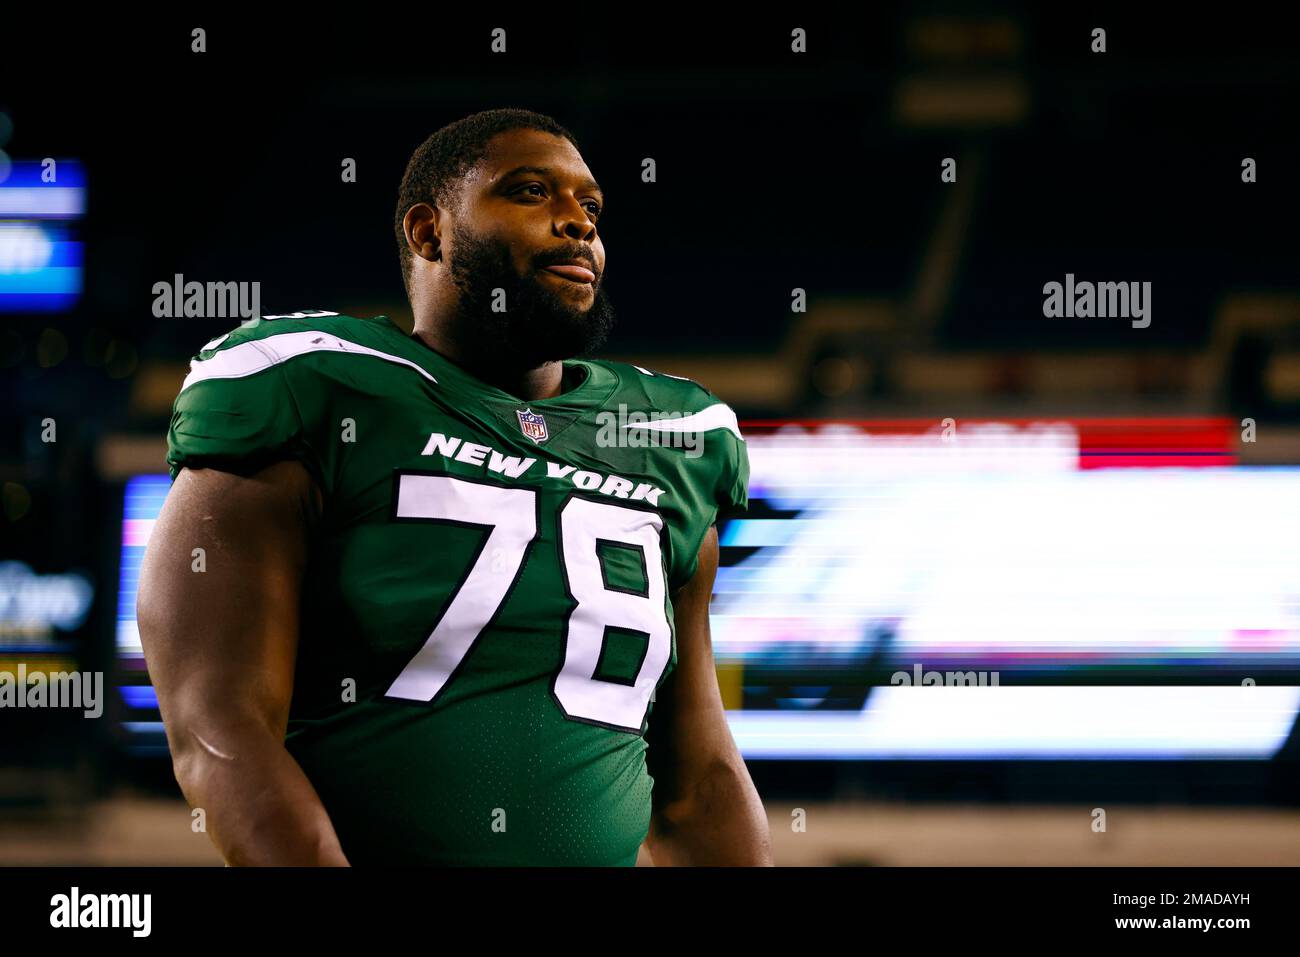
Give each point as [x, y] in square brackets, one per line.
[487, 608]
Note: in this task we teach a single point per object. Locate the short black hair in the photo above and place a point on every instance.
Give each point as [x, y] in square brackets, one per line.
[437, 166]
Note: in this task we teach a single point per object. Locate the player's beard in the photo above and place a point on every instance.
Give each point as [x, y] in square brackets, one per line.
[537, 325]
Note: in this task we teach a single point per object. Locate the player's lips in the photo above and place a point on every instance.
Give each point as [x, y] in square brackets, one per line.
[573, 272]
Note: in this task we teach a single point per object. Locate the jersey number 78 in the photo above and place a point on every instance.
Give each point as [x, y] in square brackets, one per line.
[510, 517]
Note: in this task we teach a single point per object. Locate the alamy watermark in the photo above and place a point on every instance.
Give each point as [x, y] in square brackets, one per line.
[212, 300]
[1101, 300]
[949, 679]
[634, 429]
[74, 909]
[53, 689]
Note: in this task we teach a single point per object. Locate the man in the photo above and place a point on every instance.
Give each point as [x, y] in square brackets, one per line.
[438, 603]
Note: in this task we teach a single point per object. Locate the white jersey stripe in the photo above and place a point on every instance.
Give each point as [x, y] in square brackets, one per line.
[718, 416]
[257, 355]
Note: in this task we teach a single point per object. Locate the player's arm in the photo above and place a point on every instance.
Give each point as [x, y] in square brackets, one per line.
[706, 809]
[221, 645]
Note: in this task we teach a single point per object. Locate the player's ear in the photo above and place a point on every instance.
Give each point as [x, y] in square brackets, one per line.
[423, 228]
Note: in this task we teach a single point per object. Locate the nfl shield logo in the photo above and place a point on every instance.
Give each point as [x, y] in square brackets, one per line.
[532, 424]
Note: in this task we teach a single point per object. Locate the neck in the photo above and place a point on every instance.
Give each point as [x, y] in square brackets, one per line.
[540, 382]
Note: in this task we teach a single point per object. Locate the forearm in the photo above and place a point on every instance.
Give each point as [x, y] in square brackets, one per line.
[720, 822]
[259, 806]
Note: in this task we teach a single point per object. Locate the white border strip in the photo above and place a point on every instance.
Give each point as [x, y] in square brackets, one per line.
[1031, 722]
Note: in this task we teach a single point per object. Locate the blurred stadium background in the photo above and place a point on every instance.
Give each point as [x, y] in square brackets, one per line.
[1099, 517]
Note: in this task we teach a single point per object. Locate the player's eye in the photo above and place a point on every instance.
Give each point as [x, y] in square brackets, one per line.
[592, 207]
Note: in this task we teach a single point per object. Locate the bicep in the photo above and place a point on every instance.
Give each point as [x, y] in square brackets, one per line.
[219, 591]
[688, 732]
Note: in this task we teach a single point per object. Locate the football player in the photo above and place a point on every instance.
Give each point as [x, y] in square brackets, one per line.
[452, 606]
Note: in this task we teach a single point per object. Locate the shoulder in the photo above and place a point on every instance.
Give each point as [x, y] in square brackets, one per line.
[264, 391]
[279, 341]
[652, 392]
[297, 324]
